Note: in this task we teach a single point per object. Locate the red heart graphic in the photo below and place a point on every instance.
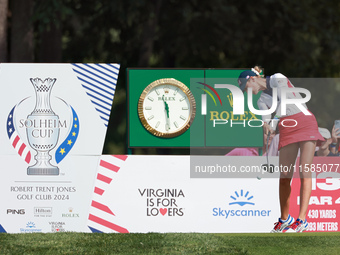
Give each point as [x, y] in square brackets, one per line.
[163, 211]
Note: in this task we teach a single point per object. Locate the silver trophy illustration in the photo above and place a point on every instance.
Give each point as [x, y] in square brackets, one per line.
[42, 127]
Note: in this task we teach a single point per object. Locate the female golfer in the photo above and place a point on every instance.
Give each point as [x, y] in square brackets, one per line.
[297, 131]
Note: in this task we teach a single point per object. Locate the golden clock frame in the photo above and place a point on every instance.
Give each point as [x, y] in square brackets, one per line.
[187, 92]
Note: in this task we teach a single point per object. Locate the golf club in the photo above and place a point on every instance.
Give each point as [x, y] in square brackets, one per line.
[268, 167]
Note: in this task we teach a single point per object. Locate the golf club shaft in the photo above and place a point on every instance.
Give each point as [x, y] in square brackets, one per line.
[268, 136]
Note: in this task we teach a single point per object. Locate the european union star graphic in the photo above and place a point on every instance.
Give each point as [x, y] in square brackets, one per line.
[70, 140]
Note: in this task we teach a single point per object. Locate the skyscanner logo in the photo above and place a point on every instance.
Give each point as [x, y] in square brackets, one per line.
[241, 196]
[239, 199]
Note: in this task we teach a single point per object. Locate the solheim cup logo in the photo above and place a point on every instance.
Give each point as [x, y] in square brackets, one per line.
[41, 129]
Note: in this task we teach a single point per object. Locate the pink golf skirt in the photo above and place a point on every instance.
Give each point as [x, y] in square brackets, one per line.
[297, 128]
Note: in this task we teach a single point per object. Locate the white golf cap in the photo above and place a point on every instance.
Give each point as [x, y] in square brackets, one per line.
[325, 133]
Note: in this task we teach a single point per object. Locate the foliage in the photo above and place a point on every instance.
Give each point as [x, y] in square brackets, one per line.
[297, 38]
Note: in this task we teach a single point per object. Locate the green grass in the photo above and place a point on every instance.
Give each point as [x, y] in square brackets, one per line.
[155, 243]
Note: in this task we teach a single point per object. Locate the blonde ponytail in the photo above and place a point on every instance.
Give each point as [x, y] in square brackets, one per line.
[258, 70]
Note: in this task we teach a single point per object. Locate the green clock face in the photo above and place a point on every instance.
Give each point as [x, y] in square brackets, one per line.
[166, 108]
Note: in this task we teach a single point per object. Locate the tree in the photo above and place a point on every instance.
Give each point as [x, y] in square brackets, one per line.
[3, 30]
[48, 18]
[22, 44]
[288, 36]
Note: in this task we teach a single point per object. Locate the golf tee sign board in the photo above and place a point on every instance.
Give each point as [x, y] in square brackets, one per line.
[54, 178]
[53, 122]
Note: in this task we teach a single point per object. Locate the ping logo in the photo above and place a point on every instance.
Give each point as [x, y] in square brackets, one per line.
[15, 211]
[242, 198]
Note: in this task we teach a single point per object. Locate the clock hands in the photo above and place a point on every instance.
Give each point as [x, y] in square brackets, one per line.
[167, 125]
[166, 108]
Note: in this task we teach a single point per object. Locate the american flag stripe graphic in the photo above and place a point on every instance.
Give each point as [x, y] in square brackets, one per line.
[98, 191]
[101, 217]
[101, 207]
[109, 166]
[122, 157]
[108, 224]
[14, 138]
[99, 82]
[104, 178]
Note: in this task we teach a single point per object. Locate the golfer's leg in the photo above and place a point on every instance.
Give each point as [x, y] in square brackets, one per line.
[287, 159]
[306, 158]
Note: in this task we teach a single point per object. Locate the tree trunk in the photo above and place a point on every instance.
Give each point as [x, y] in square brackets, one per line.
[50, 47]
[21, 48]
[3, 30]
